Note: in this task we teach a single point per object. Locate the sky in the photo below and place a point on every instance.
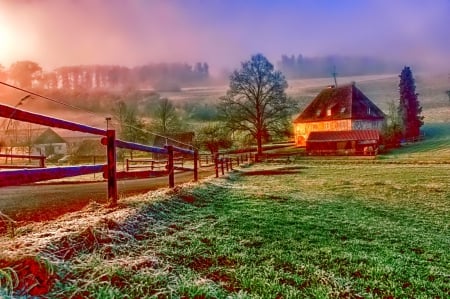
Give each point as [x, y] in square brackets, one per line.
[222, 33]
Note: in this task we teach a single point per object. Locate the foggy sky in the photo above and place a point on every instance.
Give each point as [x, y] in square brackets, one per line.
[221, 32]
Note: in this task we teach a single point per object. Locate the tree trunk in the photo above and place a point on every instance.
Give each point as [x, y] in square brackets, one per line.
[259, 142]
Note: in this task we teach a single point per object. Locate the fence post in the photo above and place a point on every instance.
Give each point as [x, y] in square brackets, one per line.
[231, 163]
[112, 180]
[170, 166]
[42, 162]
[195, 165]
[221, 165]
[216, 164]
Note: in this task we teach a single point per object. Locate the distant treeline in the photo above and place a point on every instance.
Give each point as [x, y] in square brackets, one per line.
[324, 66]
[160, 76]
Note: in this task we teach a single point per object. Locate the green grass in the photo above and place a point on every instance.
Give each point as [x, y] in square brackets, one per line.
[336, 230]
[434, 148]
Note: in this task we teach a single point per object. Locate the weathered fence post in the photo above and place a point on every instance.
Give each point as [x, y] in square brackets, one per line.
[216, 164]
[195, 165]
[42, 162]
[170, 166]
[112, 180]
[221, 166]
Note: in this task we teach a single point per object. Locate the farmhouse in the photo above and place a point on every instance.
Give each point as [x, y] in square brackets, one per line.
[48, 143]
[340, 110]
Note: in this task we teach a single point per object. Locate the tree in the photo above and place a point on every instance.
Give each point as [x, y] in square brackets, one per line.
[132, 127]
[448, 93]
[213, 137]
[165, 117]
[256, 101]
[24, 72]
[392, 130]
[409, 107]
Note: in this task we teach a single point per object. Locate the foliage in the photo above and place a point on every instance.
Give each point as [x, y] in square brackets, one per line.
[214, 136]
[165, 119]
[409, 107]
[87, 77]
[392, 129]
[201, 111]
[313, 67]
[256, 101]
[23, 73]
[132, 127]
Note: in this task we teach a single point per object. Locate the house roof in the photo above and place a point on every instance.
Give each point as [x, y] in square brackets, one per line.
[343, 102]
[336, 136]
[48, 137]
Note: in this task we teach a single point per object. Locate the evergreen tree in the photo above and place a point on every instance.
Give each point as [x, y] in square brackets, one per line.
[409, 106]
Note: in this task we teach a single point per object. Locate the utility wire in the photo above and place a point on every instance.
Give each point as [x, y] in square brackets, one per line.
[49, 99]
[156, 134]
[85, 110]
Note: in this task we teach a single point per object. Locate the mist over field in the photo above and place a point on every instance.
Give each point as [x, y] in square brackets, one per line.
[222, 33]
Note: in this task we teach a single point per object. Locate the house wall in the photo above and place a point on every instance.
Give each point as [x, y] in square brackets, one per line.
[43, 149]
[367, 125]
[302, 130]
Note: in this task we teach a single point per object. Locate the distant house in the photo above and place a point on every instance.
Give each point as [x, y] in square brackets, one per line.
[48, 143]
[339, 109]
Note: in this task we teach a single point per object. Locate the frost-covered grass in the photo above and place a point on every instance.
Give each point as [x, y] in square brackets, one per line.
[306, 230]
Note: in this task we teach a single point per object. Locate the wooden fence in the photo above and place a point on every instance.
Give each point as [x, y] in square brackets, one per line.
[18, 177]
[41, 160]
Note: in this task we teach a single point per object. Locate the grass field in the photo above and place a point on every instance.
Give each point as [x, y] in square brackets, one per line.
[303, 230]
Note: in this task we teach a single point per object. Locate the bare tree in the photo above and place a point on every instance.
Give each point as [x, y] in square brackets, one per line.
[165, 117]
[256, 101]
[132, 127]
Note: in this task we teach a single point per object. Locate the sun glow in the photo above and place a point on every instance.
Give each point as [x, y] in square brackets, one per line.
[7, 42]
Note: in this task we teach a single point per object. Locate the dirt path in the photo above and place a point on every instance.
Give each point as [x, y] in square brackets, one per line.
[42, 202]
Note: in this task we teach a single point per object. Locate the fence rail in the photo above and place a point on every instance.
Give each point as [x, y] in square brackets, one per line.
[23, 157]
[18, 177]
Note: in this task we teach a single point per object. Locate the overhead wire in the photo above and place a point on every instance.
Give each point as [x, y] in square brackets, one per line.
[87, 111]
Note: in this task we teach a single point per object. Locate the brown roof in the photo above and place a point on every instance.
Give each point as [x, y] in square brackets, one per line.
[48, 137]
[336, 136]
[343, 102]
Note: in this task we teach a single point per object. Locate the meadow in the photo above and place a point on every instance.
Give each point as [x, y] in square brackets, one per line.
[308, 229]
[311, 228]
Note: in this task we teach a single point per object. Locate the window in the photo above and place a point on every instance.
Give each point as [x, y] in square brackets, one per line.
[329, 112]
